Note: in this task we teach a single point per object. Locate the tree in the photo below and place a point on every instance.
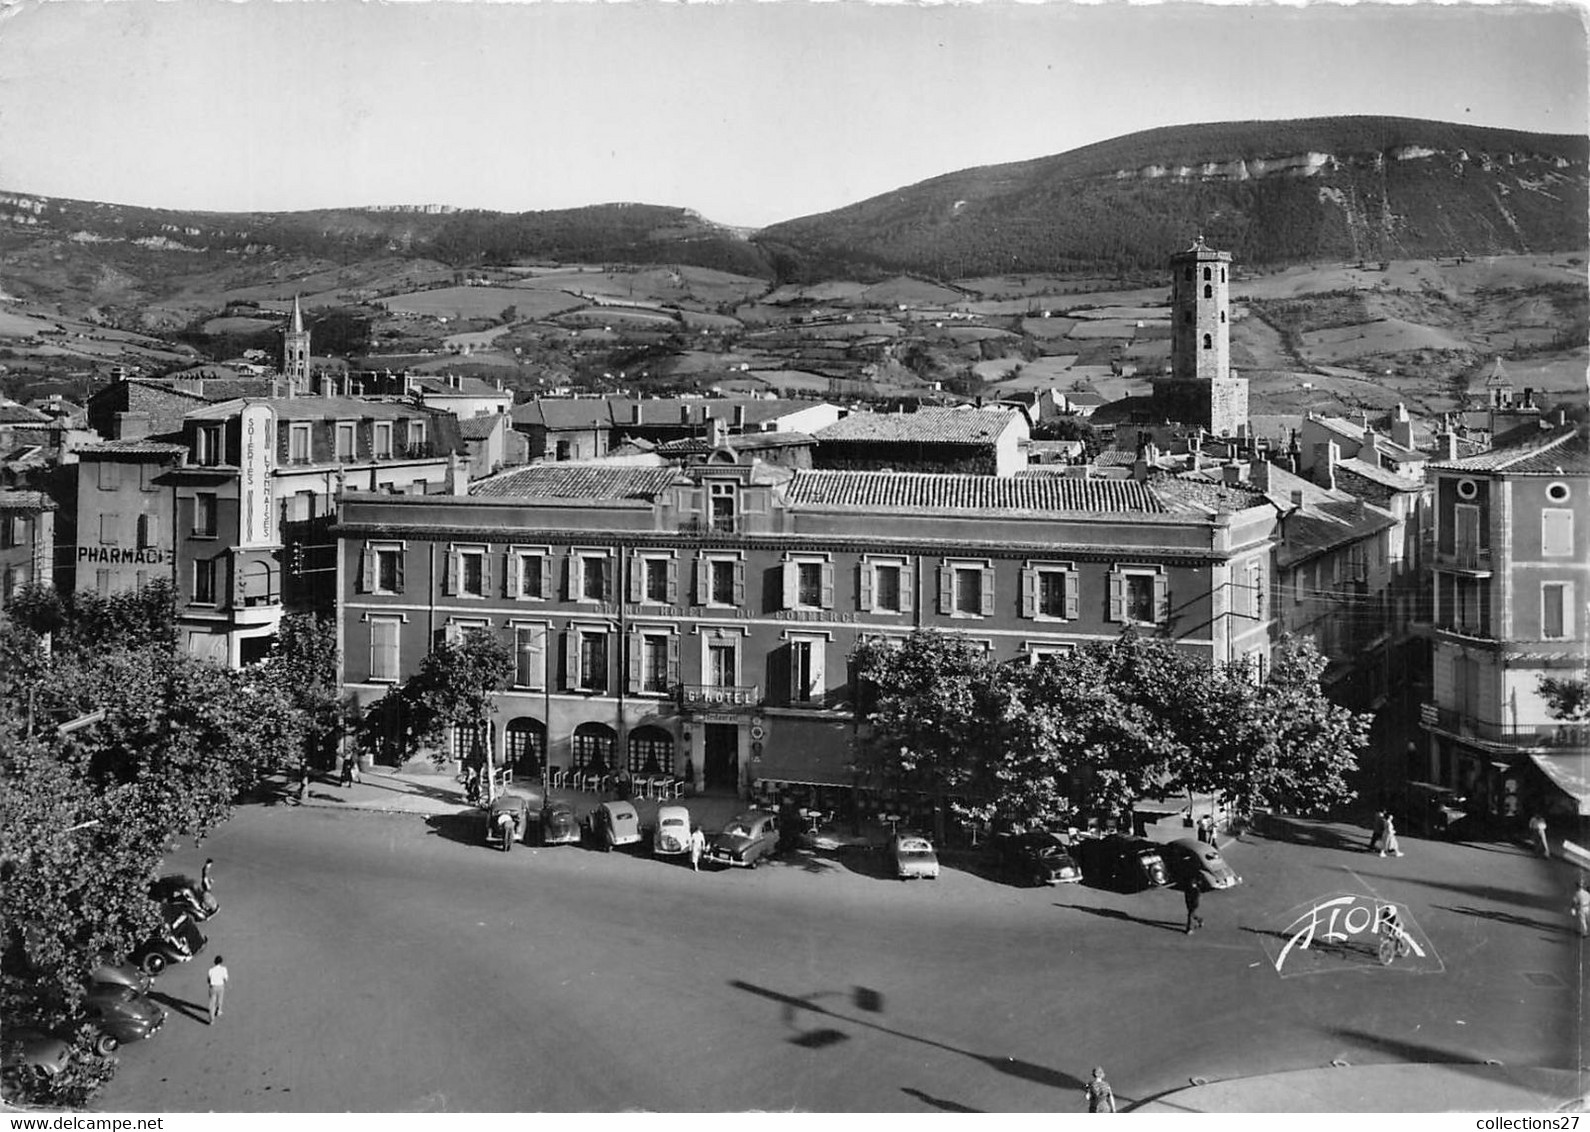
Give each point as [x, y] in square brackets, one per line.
[456, 687]
[1567, 699]
[302, 666]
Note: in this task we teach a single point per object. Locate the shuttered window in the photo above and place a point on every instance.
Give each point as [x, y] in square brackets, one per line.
[1050, 591]
[1139, 595]
[808, 582]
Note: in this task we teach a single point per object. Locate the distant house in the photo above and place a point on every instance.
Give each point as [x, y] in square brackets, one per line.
[137, 407]
[967, 440]
[464, 397]
[562, 428]
[27, 540]
[493, 443]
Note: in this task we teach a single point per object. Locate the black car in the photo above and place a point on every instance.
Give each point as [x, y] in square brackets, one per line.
[115, 1015]
[179, 940]
[1126, 864]
[558, 825]
[1036, 857]
[187, 893]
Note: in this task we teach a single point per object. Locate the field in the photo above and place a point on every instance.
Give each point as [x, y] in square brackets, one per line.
[480, 302]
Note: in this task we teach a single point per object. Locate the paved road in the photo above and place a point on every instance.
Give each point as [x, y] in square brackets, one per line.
[388, 962]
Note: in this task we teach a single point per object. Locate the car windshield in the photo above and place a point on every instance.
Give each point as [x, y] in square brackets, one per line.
[671, 823]
[737, 829]
[915, 846]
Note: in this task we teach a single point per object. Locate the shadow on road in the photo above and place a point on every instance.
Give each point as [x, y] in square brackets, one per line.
[1412, 1053]
[1317, 835]
[1489, 892]
[938, 1102]
[183, 1007]
[828, 1035]
[1505, 918]
[466, 828]
[1176, 925]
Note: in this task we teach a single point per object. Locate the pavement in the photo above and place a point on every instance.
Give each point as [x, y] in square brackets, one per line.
[1391, 1087]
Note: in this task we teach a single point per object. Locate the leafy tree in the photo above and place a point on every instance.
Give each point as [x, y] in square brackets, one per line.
[303, 667]
[455, 686]
[1567, 699]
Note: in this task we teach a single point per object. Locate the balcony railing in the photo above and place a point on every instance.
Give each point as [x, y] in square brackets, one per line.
[1465, 556]
[722, 525]
[716, 697]
[1555, 734]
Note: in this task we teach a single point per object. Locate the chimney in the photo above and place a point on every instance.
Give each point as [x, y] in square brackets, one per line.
[1297, 497]
[454, 381]
[1401, 428]
[634, 412]
[1140, 469]
[1560, 417]
[1231, 474]
[1326, 454]
[457, 475]
[1259, 475]
[1449, 449]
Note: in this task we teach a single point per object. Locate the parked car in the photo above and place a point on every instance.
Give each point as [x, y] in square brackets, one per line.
[746, 840]
[1188, 861]
[613, 824]
[1124, 863]
[912, 857]
[1037, 857]
[116, 1015]
[184, 891]
[672, 835]
[558, 824]
[179, 941]
[120, 974]
[1432, 811]
[30, 1054]
[506, 820]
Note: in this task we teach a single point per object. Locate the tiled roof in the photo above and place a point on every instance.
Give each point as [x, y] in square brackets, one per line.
[1383, 444]
[17, 414]
[1115, 458]
[564, 412]
[1184, 493]
[26, 501]
[926, 426]
[311, 408]
[925, 491]
[1317, 529]
[229, 388]
[142, 446]
[468, 387]
[479, 427]
[1561, 451]
[1385, 477]
[577, 481]
[739, 442]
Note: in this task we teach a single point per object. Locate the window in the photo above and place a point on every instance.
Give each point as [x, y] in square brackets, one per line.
[389, 571]
[969, 591]
[384, 648]
[722, 669]
[1049, 591]
[1209, 292]
[203, 582]
[966, 588]
[1209, 342]
[1466, 529]
[1555, 606]
[565, 450]
[654, 661]
[529, 656]
[1253, 585]
[204, 506]
[298, 444]
[1207, 275]
[721, 504]
[107, 530]
[1556, 532]
[654, 579]
[147, 474]
[806, 663]
[720, 581]
[530, 574]
[885, 587]
[808, 583]
[207, 446]
[1045, 653]
[107, 479]
[458, 629]
[589, 576]
[468, 572]
[382, 440]
[146, 535]
[11, 531]
[416, 438]
[102, 582]
[345, 440]
[1139, 596]
[593, 661]
[723, 574]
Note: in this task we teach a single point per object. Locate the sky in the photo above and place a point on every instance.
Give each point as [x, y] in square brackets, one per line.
[748, 111]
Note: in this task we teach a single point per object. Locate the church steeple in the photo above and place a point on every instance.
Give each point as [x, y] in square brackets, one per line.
[295, 352]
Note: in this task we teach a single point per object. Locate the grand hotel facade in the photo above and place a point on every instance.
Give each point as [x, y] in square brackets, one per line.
[698, 621]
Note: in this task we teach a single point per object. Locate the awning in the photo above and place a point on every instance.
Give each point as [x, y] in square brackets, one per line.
[1571, 773]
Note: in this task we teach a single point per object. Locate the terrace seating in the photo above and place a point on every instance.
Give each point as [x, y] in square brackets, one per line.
[556, 777]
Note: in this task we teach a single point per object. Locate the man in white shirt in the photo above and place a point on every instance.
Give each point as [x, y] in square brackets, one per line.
[217, 976]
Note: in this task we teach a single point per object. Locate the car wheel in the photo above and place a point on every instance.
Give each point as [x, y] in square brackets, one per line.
[153, 963]
[105, 1044]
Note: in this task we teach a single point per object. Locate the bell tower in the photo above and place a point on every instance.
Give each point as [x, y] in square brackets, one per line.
[295, 353]
[1201, 389]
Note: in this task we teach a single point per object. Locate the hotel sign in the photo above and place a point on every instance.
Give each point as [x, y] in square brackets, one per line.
[258, 488]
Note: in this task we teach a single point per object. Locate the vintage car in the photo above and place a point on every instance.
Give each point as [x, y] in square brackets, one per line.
[1433, 811]
[746, 840]
[114, 1015]
[507, 818]
[912, 857]
[1189, 861]
[120, 974]
[29, 1055]
[1036, 857]
[672, 835]
[184, 891]
[559, 826]
[1123, 863]
[614, 824]
[179, 940]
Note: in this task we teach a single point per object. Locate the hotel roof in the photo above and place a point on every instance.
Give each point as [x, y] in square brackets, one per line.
[1044, 494]
[577, 481]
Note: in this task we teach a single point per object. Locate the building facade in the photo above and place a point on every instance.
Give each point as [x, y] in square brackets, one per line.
[27, 541]
[1201, 390]
[126, 510]
[698, 621]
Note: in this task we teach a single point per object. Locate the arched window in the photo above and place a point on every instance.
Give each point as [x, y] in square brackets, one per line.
[1209, 342]
[1222, 275]
[470, 742]
[1209, 292]
[593, 747]
[1222, 316]
[525, 746]
[1208, 275]
[651, 751]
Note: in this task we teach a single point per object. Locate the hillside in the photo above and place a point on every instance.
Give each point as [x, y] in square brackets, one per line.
[1272, 193]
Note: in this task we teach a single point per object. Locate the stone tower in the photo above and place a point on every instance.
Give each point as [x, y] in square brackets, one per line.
[295, 352]
[1200, 389]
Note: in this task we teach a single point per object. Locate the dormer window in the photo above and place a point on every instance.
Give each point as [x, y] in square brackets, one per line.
[208, 448]
[345, 440]
[721, 500]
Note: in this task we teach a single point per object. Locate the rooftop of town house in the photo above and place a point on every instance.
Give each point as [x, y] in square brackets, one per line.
[739, 442]
[1562, 450]
[1085, 398]
[13, 413]
[1384, 477]
[1355, 432]
[670, 410]
[163, 445]
[479, 427]
[26, 501]
[925, 426]
[309, 407]
[1314, 530]
[564, 412]
[466, 386]
[569, 480]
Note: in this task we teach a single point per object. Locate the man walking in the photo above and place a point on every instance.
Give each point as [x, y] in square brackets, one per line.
[1581, 908]
[217, 976]
[1192, 894]
[1101, 1098]
[698, 845]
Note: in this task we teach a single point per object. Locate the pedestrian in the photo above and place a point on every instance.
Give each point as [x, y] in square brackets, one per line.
[1101, 1098]
[698, 845]
[1390, 837]
[216, 976]
[207, 886]
[1581, 908]
[347, 771]
[303, 784]
[1192, 894]
[1377, 836]
[1537, 833]
[353, 769]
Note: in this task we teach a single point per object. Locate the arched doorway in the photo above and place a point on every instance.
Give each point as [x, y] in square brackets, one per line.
[595, 745]
[470, 743]
[525, 747]
[651, 751]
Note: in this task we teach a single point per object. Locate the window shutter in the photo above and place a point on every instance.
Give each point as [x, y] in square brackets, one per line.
[367, 570]
[608, 592]
[739, 582]
[571, 659]
[791, 574]
[485, 573]
[673, 660]
[1073, 595]
[673, 581]
[449, 568]
[536, 658]
[571, 578]
[1161, 598]
[703, 581]
[864, 586]
[637, 576]
[402, 557]
[635, 660]
[988, 592]
[907, 589]
[546, 576]
[828, 585]
[1117, 596]
[1029, 592]
[512, 571]
[946, 589]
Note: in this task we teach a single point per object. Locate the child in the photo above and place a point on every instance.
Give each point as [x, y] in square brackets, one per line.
[1101, 1098]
